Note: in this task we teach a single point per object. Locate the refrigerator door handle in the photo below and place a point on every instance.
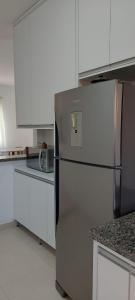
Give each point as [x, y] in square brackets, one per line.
[40, 156]
[118, 125]
[117, 194]
[56, 140]
[56, 174]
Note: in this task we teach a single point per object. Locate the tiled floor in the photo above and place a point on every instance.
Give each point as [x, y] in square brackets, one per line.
[27, 270]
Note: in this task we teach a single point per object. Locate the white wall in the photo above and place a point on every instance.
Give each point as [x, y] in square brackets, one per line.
[14, 137]
[6, 61]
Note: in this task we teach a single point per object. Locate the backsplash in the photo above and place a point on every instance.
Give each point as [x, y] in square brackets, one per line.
[44, 135]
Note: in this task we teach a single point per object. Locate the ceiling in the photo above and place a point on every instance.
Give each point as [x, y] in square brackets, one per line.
[9, 11]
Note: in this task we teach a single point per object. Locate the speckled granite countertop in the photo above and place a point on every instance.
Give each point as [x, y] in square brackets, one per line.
[118, 235]
[12, 157]
[47, 177]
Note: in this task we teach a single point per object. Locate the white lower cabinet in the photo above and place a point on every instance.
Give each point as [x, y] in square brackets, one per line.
[113, 275]
[51, 216]
[21, 199]
[39, 208]
[132, 287]
[34, 206]
[113, 281]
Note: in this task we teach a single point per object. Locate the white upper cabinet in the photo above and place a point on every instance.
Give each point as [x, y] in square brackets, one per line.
[122, 41]
[47, 48]
[94, 30]
[53, 55]
[22, 61]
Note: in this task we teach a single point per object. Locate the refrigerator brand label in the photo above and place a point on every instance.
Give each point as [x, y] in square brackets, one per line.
[76, 100]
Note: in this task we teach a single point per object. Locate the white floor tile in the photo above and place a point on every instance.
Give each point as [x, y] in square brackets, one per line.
[3, 296]
[27, 269]
[37, 286]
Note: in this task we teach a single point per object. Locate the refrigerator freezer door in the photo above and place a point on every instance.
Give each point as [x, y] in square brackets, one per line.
[86, 196]
[88, 120]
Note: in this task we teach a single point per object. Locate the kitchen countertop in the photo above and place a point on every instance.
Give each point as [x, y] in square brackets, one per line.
[47, 177]
[12, 157]
[118, 235]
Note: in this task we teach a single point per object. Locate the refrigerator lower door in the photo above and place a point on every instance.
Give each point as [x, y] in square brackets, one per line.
[86, 197]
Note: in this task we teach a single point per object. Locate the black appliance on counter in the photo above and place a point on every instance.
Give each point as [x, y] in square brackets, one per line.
[40, 159]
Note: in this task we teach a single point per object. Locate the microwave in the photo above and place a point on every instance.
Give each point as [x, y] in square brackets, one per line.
[40, 159]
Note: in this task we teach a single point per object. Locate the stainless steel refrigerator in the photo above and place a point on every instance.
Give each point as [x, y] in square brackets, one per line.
[95, 174]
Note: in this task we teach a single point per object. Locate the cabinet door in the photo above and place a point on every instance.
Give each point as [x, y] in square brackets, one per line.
[132, 287]
[53, 55]
[39, 208]
[113, 281]
[94, 28]
[22, 61]
[122, 43]
[51, 216]
[6, 192]
[21, 199]
[44, 60]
